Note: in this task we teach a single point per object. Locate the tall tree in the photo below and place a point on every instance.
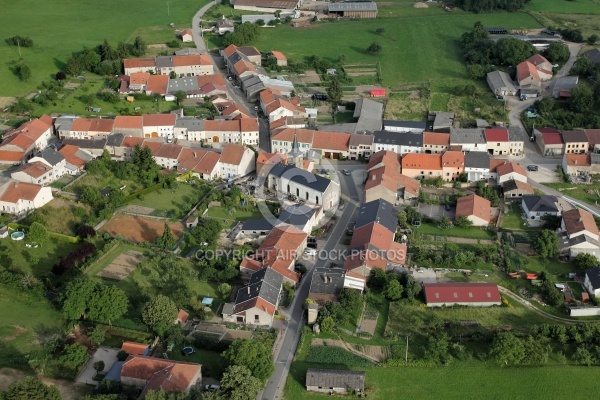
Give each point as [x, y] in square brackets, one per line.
[252, 354]
[585, 261]
[37, 233]
[334, 93]
[180, 96]
[546, 244]
[239, 384]
[167, 240]
[85, 298]
[159, 314]
[31, 389]
[393, 290]
[508, 349]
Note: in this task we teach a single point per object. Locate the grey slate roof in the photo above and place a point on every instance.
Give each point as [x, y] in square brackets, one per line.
[516, 134]
[164, 62]
[327, 281]
[499, 80]
[593, 55]
[257, 225]
[543, 203]
[380, 211]
[595, 158]
[96, 144]
[477, 159]
[253, 18]
[405, 124]
[265, 283]
[593, 275]
[52, 156]
[398, 138]
[352, 6]
[187, 84]
[472, 135]
[577, 136]
[443, 120]
[116, 139]
[191, 123]
[64, 122]
[300, 176]
[369, 113]
[297, 214]
[248, 51]
[326, 378]
[565, 83]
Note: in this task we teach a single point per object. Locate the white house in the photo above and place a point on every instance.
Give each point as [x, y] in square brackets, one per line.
[36, 172]
[592, 281]
[477, 165]
[536, 207]
[511, 172]
[315, 189]
[471, 139]
[19, 144]
[236, 160]
[158, 125]
[578, 233]
[20, 197]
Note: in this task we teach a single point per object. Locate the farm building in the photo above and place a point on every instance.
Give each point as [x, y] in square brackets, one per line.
[361, 9]
[334, 381]
[285, 6]
[378, 93]
[478, 294]
[501, 84]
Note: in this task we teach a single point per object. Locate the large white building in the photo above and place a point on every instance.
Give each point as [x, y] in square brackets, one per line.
[18, 198]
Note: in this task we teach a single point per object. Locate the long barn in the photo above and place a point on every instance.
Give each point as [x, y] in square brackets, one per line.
[362, 9]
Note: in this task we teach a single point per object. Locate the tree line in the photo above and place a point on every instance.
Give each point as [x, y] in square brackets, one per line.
[104, 59]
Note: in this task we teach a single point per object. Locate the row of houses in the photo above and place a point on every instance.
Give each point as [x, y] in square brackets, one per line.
[179, 65]
[554, 142]
[199, 86]
[495, 141]
[240, 129]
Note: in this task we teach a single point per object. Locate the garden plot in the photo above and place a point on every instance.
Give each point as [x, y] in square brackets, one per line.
[122, 266]
[140, 229]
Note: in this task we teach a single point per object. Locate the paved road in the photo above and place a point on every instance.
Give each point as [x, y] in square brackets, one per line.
[196, 32]
[295, 314]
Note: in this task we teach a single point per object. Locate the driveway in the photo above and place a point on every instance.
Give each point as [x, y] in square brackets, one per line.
[106, 354]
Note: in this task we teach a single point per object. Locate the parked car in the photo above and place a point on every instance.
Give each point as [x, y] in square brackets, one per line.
[532, 168]
[346, 172]
[310, 252]
[447, 207]
[312, 245]
[319, 96]
[212, 387]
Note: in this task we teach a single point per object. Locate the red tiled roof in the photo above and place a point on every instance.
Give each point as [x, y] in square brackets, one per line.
[7, 155]
[208, 163]
[496, 134]
[551, 136]
[139, 63]
[578, 159]
[525, 70]
[193, 59]
[287, 135]
[35, 169]
[161, 374]
[593, 136]
[135, 349]
[473, 205]
[232, 153]
[331, 141]
[373, 234]
[495, 162]
[507, 168]
[16, 191]
[166, 150]
[436, 139]
[68, 152]
[216, 79]
[159, 119]
[128, 122]
[271, 158]
[577, 220]
[461, 292]
[182, 316]
[158, 84]
[453, 159]
[422, 161]
[538, 59]
[278, 55]
[139, 78]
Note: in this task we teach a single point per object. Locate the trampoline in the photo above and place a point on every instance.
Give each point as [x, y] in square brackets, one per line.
[187, 351]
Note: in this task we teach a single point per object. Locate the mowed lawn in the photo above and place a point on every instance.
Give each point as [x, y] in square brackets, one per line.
[415, 49]
[472, 232]
[181, 199]
[564, 6]
[15, 253]
[61, 27]
[22, 319]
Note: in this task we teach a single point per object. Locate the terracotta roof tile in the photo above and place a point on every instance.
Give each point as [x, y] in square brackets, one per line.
[7, 155]
[232, 154]
[159, 119]
[216, 79]
[436, 139]
[582, 160]
[578, 220]
[128, 122]
[496, 134]
[158, 84]
[16, 191]
[279, 55]
[35, 169]
[139, 78]
[161, 374]
[507, 168]
[473, 205]
[331, 141]
[68, 152]
[453, 159]
[422, 161]
[139, 63]
[133, 348]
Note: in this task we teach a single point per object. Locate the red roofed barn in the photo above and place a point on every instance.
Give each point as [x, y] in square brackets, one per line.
[462, 294]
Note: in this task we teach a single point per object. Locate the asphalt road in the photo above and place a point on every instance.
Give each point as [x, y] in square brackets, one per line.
[295, 314]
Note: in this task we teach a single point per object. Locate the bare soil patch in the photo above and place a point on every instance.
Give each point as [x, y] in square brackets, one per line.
[420, 5]
[122, 266]
[140, 229]
[19, 330]
[7, 101]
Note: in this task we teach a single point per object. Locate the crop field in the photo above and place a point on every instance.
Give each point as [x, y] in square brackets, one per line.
[139, 229]
[425, 48]
[61, 27]
[564, 6]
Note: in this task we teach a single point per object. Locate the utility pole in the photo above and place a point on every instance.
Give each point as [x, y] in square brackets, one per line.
[19, 47]
[406, 354]
[168, 9]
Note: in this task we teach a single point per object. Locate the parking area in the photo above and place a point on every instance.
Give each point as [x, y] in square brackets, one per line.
[106, 354]
[545, 173]
[435, 211]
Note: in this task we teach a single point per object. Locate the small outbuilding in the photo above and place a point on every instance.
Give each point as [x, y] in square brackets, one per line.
[334, 381]
[186, 36]
[359, 9]
[378, 93]
[474, 294]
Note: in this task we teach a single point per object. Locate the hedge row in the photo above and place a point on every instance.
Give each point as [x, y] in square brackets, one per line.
[147, 190]
[55, 235]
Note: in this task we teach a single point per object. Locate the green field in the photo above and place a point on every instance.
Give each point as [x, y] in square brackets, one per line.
[589, 193]
[16, 254]
[238, 215]
[61, 27]
[416, 48]
[564, 6]
[177, 201]
[22, 320]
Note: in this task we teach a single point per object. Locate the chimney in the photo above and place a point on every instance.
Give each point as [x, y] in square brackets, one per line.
[248, 289]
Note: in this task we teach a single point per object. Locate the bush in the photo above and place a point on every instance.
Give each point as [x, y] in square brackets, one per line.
[335, 355]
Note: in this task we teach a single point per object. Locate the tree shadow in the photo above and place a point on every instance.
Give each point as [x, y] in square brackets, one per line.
[61, 65]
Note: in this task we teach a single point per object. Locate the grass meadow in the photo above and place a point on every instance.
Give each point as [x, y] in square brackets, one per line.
[417, 47]
[176, 201]
[61, 27]
[564, 6]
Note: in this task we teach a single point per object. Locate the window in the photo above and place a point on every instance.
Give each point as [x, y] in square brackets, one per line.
[489, 294]
[256, 317]
[437, 295]
[470, 294]
[456, 295]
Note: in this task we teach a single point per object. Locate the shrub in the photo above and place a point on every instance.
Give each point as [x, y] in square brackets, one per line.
[335, 355]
